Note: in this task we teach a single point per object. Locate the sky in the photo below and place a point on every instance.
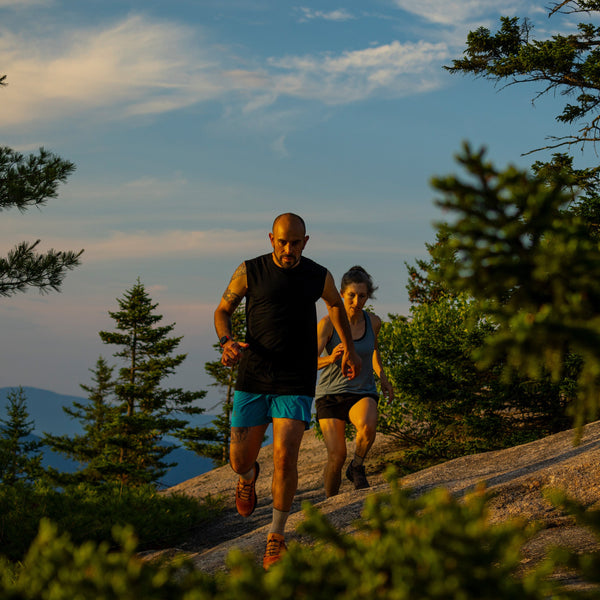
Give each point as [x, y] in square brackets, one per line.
[193, 124]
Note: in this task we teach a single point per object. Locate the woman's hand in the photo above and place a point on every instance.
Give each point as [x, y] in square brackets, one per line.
[387, 390]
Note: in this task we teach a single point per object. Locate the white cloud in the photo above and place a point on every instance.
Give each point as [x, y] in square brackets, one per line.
[165, 245]
[134, 67]
[455, 12]
[139, 66]
[18, 4]
[307, 14]
[392, 69]
[279, 147]
[124, 246]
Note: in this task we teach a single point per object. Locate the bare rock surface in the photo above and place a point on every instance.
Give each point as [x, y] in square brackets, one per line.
[516, 475]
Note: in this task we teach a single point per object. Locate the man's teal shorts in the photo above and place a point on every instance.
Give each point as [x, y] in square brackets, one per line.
[259, 409]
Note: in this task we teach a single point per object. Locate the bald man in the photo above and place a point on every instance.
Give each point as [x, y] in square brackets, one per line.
[277, 364]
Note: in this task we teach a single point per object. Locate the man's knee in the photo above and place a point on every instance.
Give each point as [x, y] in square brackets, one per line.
[241, 458]
[285, 461]
[240, 465]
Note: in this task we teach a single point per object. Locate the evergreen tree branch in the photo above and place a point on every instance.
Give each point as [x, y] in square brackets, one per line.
[30, 181]
[24, 267]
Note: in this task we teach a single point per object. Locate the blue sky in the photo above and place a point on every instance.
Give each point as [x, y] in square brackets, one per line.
[194, 123]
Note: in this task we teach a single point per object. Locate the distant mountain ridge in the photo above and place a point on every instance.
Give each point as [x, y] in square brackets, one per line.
[46, 412]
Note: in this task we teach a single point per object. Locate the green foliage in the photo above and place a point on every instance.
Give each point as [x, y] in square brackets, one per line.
[19, 456]
[422, 288]
[527, 245]
[20, 512]
[433, 546]
[26, 182]
[532, 266]
[89, 513]
[445, 406]
[57, 569]
[93, 449]
[563, 65]
[213, 442]
[127, 419]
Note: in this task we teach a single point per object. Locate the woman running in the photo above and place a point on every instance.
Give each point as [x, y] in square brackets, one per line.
[341, 400]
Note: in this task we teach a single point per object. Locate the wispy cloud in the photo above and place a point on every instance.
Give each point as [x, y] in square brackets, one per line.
[393, 69]
[170, 244]
[279, 147]
[134, 67]
[132, 245]
[307, 14]
[456, 12]
[139, 66]
[18, 4]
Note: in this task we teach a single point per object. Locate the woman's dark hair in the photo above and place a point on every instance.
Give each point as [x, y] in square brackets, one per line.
[357, 274]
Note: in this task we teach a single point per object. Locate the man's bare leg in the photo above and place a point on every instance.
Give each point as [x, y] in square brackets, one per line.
[287, 436]
[244, 448]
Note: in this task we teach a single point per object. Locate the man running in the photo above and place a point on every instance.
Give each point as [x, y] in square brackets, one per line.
[277, 364]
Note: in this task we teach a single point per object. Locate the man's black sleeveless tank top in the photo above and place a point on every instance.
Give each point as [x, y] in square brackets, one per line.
[281, 327]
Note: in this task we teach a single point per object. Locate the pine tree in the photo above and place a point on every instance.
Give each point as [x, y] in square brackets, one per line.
[19, 456]
[528, 245]
[148, 412]
[94, 448]
[563, 65]
[423, 287]
[213, 442]
[26, 182]
[533, 269]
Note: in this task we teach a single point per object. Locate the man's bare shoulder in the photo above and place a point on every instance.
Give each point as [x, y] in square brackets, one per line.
[240, 271]
[236, 289]
[325, 323]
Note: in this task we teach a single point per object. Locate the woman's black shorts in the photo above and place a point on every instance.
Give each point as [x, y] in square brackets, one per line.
[337, 406]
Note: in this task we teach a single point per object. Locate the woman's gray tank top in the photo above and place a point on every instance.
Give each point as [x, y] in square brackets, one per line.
[333, 382]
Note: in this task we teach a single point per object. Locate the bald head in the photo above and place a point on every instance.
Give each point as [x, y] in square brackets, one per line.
[289, 220]
[288, 240]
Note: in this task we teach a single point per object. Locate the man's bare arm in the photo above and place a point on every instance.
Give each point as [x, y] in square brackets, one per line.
[233, 295]
[351, 362]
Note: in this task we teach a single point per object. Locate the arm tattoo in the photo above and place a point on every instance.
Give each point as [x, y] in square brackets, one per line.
[238, 434]
[232, 298]
[240, 271]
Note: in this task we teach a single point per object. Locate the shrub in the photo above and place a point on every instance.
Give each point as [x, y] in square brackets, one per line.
[445, 405]
[89, 513]
[55, 568]
[405, 548]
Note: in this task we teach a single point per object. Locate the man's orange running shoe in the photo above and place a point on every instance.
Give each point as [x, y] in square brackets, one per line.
[245, 494]
[275, 549]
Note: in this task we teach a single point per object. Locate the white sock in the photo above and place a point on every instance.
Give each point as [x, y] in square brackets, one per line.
[279, 520]
[249, 476]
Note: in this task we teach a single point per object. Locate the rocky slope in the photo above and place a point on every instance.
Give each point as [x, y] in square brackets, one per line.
[517, 475]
